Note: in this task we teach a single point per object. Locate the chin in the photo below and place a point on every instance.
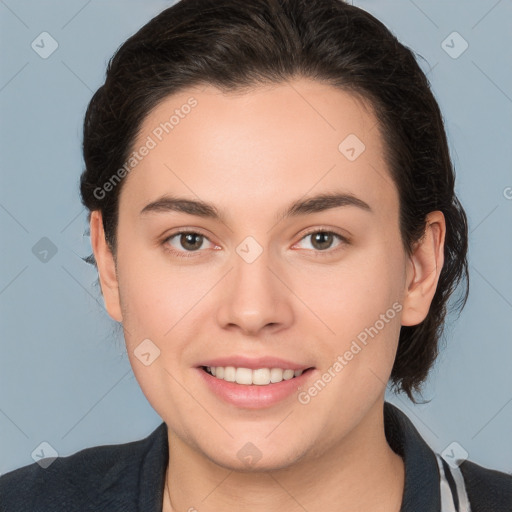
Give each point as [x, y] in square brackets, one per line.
[251, 459]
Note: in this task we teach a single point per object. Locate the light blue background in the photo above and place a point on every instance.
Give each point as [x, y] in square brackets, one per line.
[64, 374]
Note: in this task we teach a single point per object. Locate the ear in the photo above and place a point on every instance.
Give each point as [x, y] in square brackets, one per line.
[423, 270]
[106, 266]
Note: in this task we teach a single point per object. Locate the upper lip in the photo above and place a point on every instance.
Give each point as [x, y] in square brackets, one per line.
[254, 363]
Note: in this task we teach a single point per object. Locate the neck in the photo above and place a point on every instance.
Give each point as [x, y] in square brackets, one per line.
[359, 473]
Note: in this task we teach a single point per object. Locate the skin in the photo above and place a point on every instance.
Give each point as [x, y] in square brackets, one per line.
[252, 154]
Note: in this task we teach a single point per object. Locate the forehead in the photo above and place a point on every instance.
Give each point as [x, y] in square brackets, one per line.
[261, 146]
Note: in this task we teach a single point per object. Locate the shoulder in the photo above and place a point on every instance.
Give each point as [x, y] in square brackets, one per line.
[429, 479]
[97, 478]
[487, 489]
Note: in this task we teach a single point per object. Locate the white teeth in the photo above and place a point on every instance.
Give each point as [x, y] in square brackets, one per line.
[246, 376]
[288, 374]
[276, 375]
[230, 373]
[261, 377]
[243, 376]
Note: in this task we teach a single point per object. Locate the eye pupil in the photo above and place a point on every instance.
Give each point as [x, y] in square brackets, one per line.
[322, 240]
[194, 239]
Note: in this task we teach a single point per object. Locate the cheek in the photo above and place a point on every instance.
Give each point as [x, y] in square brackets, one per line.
[351, 297]
[356, 355]
[160, 309]
[359, 305]
[156, 296]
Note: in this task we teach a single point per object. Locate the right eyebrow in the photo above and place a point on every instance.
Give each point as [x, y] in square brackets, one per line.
[178, 204]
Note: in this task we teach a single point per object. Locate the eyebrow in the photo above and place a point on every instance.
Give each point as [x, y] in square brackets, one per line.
[314, 204]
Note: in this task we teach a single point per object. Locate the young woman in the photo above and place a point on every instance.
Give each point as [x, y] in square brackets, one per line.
[274, 223]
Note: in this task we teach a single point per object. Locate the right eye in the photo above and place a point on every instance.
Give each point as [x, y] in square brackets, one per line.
[191, 241]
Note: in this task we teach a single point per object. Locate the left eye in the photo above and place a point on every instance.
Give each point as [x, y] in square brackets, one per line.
[323, 240]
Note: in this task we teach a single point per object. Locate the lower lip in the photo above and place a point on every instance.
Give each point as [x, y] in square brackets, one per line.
[254, 396]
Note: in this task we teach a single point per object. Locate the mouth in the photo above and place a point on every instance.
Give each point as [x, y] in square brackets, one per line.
[255, 382]
[254, 377]
[259, 387]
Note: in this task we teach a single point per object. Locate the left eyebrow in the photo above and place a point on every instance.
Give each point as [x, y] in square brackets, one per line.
[314, 204]
[322, 202]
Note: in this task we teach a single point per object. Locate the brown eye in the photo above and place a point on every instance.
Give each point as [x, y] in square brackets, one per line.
[186, 243]
[191, 241]
[322, 240]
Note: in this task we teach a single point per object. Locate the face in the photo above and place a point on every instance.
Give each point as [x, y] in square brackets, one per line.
[268, 275]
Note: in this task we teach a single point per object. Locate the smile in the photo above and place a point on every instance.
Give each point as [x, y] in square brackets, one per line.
[247, 376]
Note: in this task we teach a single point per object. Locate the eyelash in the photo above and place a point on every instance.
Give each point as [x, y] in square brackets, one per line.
[192, 254]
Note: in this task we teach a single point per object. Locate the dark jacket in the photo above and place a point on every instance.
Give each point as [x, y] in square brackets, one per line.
[130, 477]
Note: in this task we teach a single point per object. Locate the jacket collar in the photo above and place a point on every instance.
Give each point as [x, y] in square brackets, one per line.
[421, 489]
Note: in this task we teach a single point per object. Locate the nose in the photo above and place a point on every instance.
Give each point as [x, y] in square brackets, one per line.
[254, 300]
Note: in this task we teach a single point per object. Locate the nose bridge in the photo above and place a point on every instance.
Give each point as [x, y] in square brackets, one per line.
[254, 298]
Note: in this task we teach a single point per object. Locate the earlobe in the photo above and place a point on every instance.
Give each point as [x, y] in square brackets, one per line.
[106, 267]
[424, 269]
